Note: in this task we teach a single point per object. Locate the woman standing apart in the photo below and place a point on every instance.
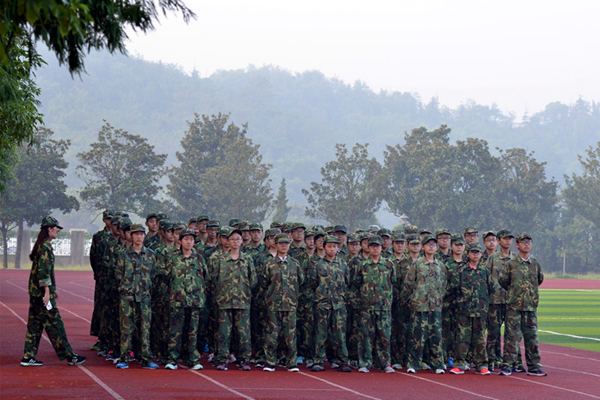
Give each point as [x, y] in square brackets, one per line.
[43, 313]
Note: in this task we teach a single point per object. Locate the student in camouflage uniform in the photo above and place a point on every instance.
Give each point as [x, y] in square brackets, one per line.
[386, 238]
[297, 230]
[307, 299]
[202, 227]
[521, 278]
[490, 241]
[471, 287]
[329, 278]
[341, 232]
[303, 337]
[471, 235]
[281, 280]
[374, 280]
[449, 307]
[187, 275]
[255, 246]
[43, 312]
[353, 300]
[443, 252]
[233, 279]
[425, 285]
[400, 311]
[153, 238]
[212, 241]
[134, 273]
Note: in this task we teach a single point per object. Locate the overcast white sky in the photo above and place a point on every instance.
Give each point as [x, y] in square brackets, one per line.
[520, 55]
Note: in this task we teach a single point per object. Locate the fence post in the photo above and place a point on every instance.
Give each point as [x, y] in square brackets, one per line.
[77, 246]
[25, 248]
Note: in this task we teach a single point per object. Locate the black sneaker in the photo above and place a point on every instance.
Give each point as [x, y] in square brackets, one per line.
[533, 372]
[76, 360]
[29, 362]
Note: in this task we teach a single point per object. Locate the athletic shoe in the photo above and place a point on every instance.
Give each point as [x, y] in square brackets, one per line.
[281, 363]
[346, 368]
[317, 368]
[151, 365]
[397, 366]
[450, 362]
[122, 365]
[519, 368]
[260, 364]
[483, 371]
[425, 366]
[505, 372]
[171, 366]
[334, 365]
[440, 371]
[300, 360]
[309, 363]
[30, 362]
[131, 356]
[231, 359]
[197, 367]
[269, 368]
[354, 364]
[111, 356]
[457, 371]
[293, 369]
[411, 371]
[536, 372]
[491, 367]
[76, 360]
[388, 370]
[244, 366]
[102, 353]
[95, 346]
[211, 357]
[363, 370]
[222, 367]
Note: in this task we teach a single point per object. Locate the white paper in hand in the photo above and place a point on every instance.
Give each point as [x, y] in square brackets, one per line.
[49, 306]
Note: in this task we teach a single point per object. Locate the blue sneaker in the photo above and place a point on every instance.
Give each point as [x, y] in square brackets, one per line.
[450, 362]
[151, 365]
[519, 368]
[205, 350]
[122, 365]
[536, 372]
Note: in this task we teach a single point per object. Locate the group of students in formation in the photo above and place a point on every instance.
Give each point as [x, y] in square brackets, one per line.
[292, 296]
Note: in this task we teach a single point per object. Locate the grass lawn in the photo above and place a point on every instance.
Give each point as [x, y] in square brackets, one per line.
[572, 312]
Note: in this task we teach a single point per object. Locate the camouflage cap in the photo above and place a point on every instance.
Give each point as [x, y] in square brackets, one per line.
[309, 233]
[244, 226]
[233, 230]
[413, 238]
[124, 214]
[473, 246]
[50, 221]
[353, 238]
[319, 233]
[457, 239]
[255, 226]
[340, 228]
[179, 225]
[285, 227]
[331, 239]
[115, 220]
[411, 229]
[522, 236]
[108, 213]
[192, 220]
[318, 228]
[276, 224]
[165, 225]
[297, 225]
[272, 232]
[234, 221]
[187, 232]
[428, 238]
[384, 232]
[282, 238]
[470, 229]
[328, 229]
[488, 233]
[225, 230]
[365, 236]
[425, 232]
[125, 224]
[203, 217]
[373, 229]
[161, 216]
[375, 239]
[137, 228]
[213, 223]
[398, 236]
[151, 215]
[504, 233]
[442, 231]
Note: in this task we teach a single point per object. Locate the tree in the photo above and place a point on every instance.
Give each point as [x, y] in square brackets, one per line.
[238, 186]
[37, 187]
[121, 171]
[281, 208]
[350, 190]
[582, 192]
[203, 145]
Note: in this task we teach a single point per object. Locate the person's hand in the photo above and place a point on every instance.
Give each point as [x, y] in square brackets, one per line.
[46, 297]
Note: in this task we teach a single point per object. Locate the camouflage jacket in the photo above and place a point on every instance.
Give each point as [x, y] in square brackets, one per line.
[306, 294]
[443, 257]
[521, 279]
[471, 289]
[152, 242]
[374, 283]
[42, 272]
[425, 285]
[134, 273]
[353, 296]
[210, 250]
[281, 282]
[295, 250]
[232, 281]
[329, 280]
[109, 260]
[495, 265]
[452, 267]
[253, 251]
[187, 278]
[160, 284]
[96, 252]
[399, 278]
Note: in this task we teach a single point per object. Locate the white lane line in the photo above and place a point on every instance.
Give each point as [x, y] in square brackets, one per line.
[555, 387]
[288, 389]
[85, 286]
[221, 385]
[81, 367]
[340, 387]
[451, 387]
[572, 356]
[573, 336]
[571, 370]
[75, 294]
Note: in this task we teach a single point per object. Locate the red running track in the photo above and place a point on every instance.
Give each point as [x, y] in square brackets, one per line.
[573, 374]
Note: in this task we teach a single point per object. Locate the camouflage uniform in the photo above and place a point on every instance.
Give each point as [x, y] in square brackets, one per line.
[152, 242]
[329, 280]
[134, 274]
[304, 327]
[521, 279]
[110, 315]
[353, 336]
[449, 327]
[400, 313]
[95, 262]
[160, 303]
[425, 286]
[187, 278]
[497, 309]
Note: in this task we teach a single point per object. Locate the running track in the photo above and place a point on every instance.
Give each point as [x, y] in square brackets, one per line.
[573, 374]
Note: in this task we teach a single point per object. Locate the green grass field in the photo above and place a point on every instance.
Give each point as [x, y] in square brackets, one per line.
[572, 312]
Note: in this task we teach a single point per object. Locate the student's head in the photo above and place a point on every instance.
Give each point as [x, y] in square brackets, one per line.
[474, 253]
[490, 241]
[152, 223]
[256, 232]
[398, 242]
[458, 245]
[270, 237]
[505, 237]
[331, 246]
[341, 233]
[429, 243]
[187, 237]
[234, 237]
[202, 223]
[443, 238]
[524, 243]
[364, 242]
[353, 243]
[386, 237]
[138, 233]
[423, 233]
[212, 229]
[319, 240]
[309, 239]
[375, 246]
[414, 244]
[282, 243]
[297, 230]
[470, 234]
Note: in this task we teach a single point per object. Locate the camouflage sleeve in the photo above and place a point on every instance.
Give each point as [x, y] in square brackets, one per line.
[540, 274]
[44, 265]
[357, 278]
[311, 275]
[301, 276]
[120, 267]
[265, 280]
[504, 276]
[252, 275]
[410, 280]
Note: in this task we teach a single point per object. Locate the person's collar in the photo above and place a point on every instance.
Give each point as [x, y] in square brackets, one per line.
[282, 259]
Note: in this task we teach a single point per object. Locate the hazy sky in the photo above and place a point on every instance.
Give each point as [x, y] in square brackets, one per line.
[520, 55]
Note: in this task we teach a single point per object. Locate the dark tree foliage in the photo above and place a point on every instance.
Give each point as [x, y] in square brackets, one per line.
[281, 208]
[582, 192]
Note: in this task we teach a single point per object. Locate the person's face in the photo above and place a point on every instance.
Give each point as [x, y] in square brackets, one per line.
[282, 248]
[212, 232]
[53, 232]
[490, 243]
[474, 256]
[354, 248]
[128, 236]
[224, 243]
[399, 247]
[374, 250]
[443, 241]
[524, 245]
[430, 247]
[122, 234]
[152, 224]
[270, 242]
[235, 241]
[201, 225]
[309, 242]
[414, 248]
[458, 248]
[192, 225]
[138, 238]
[319, 243]
[246, 236]
[106, 222]
[364, 245]
[169, 235]
[298, 234]
[471, 237]
[256, 235]
[187, 242]
[341, 237]
[387, 241]
[176, 234]
[115, 230]
[506, 242]
[331, 249]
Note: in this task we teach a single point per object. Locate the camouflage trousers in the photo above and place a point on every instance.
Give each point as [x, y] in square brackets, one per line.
[259, 318]
[353, 332]
[425, 332]
[375, 329]
[280, 323]
[521, 325]
[159, 328]
[496, 317]
[449, 331]
[40, 319]
[184, 324]
[470, 338]
[135, 318]
[234, 322]
[334, 321]
[97, 313]
[400, 321]
[109, 333]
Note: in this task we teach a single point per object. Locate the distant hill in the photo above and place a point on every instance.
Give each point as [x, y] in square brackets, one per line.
[296, 118]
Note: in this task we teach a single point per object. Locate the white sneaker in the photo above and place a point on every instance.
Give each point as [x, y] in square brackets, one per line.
[197, 367]
[231, 359]
[440, 371]
[364, 370]
[171, 366]
[411, 371]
